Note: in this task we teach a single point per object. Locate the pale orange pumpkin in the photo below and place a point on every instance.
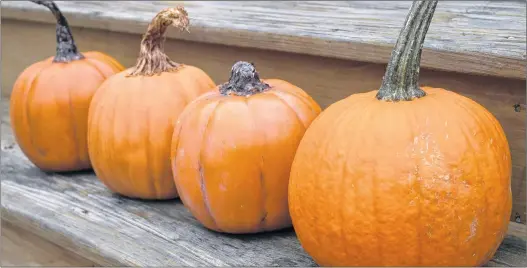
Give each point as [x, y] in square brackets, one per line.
[402, 176]
[132, 116]
[232, 151]
[50, 100]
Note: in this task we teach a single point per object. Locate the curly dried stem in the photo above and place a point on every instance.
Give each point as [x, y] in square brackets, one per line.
[244, 81]
[152, 59]
[400, 82]
[66, 48]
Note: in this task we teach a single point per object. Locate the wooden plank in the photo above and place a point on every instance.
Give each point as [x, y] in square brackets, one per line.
[518, 230]
[484, 37]
[78, 213]
[510, 253]
[22, 248]
[326, 80]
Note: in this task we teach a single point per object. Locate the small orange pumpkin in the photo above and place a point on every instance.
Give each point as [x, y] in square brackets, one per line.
[402, 176]
[132, 116]
[50, 101]
[232, 151]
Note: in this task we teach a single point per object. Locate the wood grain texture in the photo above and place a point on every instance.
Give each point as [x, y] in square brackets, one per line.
[518, 230]
[480, 37]
[77, 212]
[22, 248]
[327, 80]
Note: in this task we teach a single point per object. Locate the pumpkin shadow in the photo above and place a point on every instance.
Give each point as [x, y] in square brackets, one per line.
[84, 172]
[35, 173]
[246, 237]
[146, 201]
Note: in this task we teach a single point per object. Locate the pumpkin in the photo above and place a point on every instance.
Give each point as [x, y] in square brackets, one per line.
[50, 100]
[232, 151]
[132, 116]
[402, 176]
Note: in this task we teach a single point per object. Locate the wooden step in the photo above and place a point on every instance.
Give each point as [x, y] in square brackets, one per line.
[465, 36]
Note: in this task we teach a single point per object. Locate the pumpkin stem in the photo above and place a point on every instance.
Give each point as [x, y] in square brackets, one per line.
[152, 59]
[66, 48]
[244, 81]
[400, 82]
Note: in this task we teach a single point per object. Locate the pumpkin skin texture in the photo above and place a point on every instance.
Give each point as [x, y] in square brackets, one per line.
[132, 117]
[232, 153]
[402, 176]
[50, 100]
[394, 184]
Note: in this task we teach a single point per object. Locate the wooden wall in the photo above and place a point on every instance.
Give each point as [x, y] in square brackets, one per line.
[327, 80]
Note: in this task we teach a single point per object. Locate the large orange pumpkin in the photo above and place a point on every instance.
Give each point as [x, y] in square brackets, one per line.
[50, 100]
[132, 116]
[402, 176]
[232, 151]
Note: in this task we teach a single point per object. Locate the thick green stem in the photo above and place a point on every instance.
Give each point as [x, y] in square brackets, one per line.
[401, 80]
[244, 81]
[152, 59]
[66, 48]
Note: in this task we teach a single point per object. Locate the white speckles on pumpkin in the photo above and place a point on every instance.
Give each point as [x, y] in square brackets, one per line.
[223, 188]
[473, 229]
[491, 142]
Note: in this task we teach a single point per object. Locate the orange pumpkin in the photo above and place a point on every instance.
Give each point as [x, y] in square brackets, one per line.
[50, 100]
[402, 176]
[232, 151]
[132, 116]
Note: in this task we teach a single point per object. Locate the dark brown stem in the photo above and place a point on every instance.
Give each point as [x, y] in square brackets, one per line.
[244, 81]
[66, 48]
[401, 80]
[152, 59]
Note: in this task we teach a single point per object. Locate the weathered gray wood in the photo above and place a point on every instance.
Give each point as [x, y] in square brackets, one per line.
[77, 212]
[483, 37]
